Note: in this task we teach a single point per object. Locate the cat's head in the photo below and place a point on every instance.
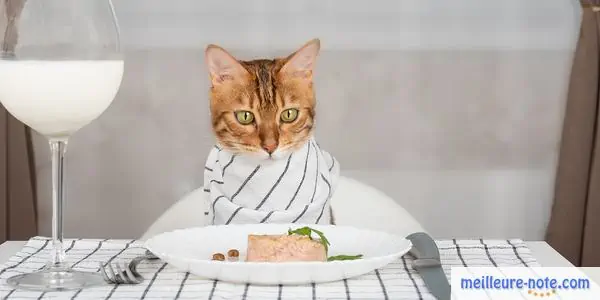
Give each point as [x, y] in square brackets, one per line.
[264, 107]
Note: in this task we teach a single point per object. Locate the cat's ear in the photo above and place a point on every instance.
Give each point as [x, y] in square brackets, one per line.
[300, 64]
[222, 66]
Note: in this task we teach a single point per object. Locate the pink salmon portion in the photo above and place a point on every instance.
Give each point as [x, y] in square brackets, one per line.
[284, 248]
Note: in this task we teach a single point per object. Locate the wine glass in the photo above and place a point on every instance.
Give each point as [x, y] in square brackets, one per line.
[60, 68]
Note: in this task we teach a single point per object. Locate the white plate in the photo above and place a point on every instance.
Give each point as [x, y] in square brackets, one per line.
[191, 250]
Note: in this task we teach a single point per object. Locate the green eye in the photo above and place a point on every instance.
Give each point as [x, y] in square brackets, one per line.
[244, 117]
[289, 115]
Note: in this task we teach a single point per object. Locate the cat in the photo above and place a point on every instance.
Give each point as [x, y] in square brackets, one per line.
[266, 166]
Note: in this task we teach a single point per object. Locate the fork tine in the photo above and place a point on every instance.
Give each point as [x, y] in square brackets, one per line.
[106, 278]
[122, 274]
[132, 276]
[113, 275]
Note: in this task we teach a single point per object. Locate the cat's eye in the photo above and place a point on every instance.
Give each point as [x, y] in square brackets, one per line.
[289, 115]
[244, 117]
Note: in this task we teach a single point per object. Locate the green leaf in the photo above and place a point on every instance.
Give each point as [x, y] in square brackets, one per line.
[307, 231]
[324, 240]
[301, 231]
[344, 257]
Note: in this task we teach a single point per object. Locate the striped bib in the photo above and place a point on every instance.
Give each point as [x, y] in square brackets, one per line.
[293, 189]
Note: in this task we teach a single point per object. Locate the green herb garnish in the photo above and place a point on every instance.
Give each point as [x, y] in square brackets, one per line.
[344, 257]
[307, 231]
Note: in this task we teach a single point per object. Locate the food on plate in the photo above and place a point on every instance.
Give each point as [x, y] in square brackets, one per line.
[282, 248]
[296, 245]
[218, 256]
[233, 254]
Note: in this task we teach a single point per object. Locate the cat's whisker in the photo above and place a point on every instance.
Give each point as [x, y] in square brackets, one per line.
[239, 148]
[303, 128]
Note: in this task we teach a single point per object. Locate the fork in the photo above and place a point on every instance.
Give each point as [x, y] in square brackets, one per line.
[129, 275]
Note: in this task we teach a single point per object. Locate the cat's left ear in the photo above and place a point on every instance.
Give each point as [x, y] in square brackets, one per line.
[300, 64]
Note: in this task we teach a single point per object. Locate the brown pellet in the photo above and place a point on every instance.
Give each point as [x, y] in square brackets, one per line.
[233, 254]
[218, 256]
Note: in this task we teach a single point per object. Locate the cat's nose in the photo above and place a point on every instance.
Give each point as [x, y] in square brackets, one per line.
[270, 148]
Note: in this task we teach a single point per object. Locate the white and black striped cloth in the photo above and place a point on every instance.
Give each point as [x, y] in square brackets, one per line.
[296, 188]
[396, 281]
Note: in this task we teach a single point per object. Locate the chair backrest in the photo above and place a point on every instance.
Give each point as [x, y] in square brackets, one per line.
[354, 204]
[358, 204]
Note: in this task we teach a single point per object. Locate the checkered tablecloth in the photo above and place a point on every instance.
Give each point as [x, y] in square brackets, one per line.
[396, 281]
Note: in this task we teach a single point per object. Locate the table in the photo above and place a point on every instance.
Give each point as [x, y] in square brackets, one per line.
[544, 253]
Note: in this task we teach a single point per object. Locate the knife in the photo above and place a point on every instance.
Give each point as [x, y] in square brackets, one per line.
[428, 264]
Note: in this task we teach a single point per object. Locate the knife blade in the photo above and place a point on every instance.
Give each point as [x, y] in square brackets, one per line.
[428, 264]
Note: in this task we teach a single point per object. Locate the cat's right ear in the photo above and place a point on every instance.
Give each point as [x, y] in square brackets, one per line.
[222, 66]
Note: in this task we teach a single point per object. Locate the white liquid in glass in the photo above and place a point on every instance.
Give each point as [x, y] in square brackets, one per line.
[57, 98]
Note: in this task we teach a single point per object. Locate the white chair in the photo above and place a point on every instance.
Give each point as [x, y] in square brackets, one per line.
[354, 204]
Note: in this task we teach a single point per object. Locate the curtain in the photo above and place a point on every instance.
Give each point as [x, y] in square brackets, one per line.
[17, 194]
[574, 228]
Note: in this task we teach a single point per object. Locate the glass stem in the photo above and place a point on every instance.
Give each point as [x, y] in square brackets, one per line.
[57, 150]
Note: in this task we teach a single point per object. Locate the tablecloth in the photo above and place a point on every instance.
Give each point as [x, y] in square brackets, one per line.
[395, 281]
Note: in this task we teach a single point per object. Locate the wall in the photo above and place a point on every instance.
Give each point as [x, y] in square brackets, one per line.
[454, 110]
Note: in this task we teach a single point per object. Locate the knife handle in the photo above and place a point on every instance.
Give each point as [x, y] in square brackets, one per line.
[428, 264]
[424, 247]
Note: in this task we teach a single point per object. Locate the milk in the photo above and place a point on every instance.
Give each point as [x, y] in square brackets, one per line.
[57, 98]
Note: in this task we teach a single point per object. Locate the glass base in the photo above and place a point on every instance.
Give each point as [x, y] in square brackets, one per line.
[55, 279]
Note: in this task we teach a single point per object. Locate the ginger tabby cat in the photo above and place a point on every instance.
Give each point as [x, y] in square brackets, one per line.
[263, 116]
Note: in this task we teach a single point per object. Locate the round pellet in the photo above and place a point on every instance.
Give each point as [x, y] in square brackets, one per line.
[233, 254]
